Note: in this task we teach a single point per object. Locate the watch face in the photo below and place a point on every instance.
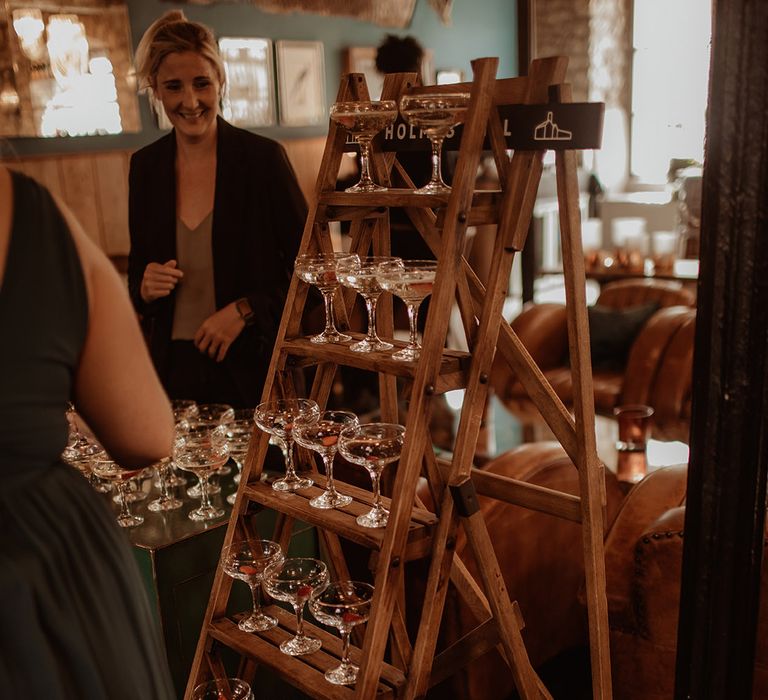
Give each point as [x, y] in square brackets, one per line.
[244, 309]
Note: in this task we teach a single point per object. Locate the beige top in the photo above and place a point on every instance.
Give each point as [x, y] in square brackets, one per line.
[195, 295]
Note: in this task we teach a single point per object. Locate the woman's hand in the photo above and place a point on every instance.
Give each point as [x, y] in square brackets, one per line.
[218, 332]
[159, 280]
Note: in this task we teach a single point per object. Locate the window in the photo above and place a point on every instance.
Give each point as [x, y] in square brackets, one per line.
[670, 70]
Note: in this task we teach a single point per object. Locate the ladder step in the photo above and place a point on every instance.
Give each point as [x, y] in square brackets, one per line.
[484, 202]
[393, 197]
[342, 520]
[452, 373]
[306, 671]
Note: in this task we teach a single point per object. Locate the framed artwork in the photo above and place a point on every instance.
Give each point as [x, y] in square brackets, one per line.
[301, 82]
[447, 76]
[249, 98]
[362, 59]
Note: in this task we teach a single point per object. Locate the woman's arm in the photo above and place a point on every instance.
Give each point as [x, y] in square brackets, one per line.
[116, 388]
[277, 236]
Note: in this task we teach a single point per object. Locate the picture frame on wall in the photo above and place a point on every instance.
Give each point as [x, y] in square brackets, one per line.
[449, 76]
[300, 82]
[362, 59]
[249, 97]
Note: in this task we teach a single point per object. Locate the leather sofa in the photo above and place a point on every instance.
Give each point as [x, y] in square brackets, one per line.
[658, 367]
[643, 559]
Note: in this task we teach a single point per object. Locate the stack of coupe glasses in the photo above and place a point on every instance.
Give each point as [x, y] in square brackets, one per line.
[434, 114]
[410, 280]
[207, 436]
[298, 581]
[369, 445]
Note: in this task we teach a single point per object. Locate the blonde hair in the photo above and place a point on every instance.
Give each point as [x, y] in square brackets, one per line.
[174, 33]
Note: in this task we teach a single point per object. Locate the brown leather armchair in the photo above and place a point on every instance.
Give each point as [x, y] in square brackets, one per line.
[657, 371]
[643, 557]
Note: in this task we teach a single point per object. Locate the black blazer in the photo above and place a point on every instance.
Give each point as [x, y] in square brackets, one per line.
[258, 217]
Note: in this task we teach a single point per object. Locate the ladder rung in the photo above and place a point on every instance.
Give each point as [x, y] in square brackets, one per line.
[342, 520]
[342, 206]
[336, 213]
[452, 373]
[521, 493]
[306, 671]
[485, 209]
[393, 197]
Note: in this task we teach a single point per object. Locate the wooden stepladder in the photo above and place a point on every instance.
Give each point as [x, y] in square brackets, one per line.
[394, 662]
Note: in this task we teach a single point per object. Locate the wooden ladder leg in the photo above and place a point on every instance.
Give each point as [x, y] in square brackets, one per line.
[436, 589]
[591, 477]
[468, 508]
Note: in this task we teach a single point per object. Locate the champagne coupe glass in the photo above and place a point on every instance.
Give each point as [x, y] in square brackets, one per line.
[343, 605]
[223, 689]
[105, 468]
[364, 119]
[320, 269]
[322, 436]
[196, 425]
[436, 115]
[239, 437]
[80, 450]
[373, 446]
[134, 490]
[362, 276]
[296, 581]
[166, 500]
[80, 453]
[184, 410]
[215, 412]
[249, 560]
[203, 452]
[221, 413]
[277, 418]
[412, 281]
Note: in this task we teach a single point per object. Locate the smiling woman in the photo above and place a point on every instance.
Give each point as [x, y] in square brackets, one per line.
[215, 217]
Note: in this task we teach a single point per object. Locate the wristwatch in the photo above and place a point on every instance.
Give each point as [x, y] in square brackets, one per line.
[243, 307]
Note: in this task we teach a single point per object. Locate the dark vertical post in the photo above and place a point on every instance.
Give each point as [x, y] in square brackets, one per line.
[526, 43]
[725, 515]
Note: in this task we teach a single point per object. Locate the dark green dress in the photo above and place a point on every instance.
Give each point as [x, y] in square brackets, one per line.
[74, 619]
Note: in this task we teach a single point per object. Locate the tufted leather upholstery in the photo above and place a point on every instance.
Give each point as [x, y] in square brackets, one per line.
[658, 370]
[643, 558]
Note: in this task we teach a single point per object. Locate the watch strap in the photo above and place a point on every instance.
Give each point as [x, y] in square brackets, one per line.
[243, 307]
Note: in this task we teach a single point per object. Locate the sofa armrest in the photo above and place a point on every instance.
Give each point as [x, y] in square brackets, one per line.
[648, 353]
[672, 389]
[646, 502]
[656, 586]
[543, 330]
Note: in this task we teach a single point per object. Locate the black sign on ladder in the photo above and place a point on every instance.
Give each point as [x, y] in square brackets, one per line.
[554, 126]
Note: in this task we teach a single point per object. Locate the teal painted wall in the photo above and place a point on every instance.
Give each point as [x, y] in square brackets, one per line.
[479, 28]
